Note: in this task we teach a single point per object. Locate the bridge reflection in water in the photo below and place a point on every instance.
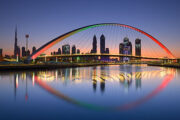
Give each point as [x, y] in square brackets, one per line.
[99, 76]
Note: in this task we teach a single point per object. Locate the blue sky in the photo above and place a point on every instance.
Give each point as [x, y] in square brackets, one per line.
[47, 19]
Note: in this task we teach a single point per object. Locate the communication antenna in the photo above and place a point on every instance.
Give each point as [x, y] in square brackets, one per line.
[27, 36]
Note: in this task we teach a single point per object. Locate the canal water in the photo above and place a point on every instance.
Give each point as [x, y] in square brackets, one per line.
[103, 92]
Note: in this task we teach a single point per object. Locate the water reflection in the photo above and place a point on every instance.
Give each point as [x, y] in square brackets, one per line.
[125, 76]
[16, 79]
[101, 76]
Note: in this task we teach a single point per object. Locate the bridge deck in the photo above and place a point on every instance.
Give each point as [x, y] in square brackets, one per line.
[110, 55]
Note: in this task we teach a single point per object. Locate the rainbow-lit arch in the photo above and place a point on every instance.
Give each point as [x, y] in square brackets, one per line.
[62, 37]
[167, 79]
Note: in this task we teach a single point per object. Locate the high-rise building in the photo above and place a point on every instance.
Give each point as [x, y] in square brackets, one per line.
[54, 53]
[16, 48]
[107, 50]
[66, 49]
[27, 36]
[121, 48]
[59, 51]
[33, 49]
[18, 51]
[1, 52]
[28, 53]
[73, 49]
[23, 52]
[138, 47]
[94, 45]
[125, 48]
[78, 51]
[102, 44]
[73, 52]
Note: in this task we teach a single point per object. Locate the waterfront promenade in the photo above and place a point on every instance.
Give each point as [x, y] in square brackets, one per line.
[67, 65]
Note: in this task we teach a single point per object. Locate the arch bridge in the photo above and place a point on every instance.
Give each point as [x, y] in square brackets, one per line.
[60, 38]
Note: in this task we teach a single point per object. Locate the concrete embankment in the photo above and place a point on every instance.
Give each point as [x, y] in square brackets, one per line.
[48, 66]
[173, 65]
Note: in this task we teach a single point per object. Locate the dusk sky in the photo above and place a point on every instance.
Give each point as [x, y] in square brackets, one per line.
[44, 20]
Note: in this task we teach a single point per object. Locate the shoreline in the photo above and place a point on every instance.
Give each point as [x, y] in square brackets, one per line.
[166, 65]
[20, 67]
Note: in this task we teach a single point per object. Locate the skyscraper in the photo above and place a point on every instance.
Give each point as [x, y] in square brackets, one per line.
[1, 52]
[59, 51]
[33, 49]
[73, 49]
[27, 36]
[16, 49]
[125, 48]
[121, 48]
[138, 47]
[107, 50]
[102, 44]
[94, 45]
[66, 49]
[54, 52]
[23, 52]
[78, 51]
[28, 53]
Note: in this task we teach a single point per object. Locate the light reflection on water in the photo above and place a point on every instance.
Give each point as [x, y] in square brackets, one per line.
[110, 90]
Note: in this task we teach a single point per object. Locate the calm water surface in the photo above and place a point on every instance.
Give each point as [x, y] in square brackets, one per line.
[102, 92]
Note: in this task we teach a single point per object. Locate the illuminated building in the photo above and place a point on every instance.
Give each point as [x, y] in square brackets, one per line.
[23, 52]
[66, 49]
[107, 50]
[54, 53]
[16, 47]
[103, 49]
[27, 36]
[1, 52]
[94, 48]
[94, 45]
[59, 51]
[27, 53]
[33, 49]
[102, 44]
[78, 51]
[73, 49]
[125, 48]
[121, 47]
[138, 47]
[73, 52]
[178, 60]
[18, 51]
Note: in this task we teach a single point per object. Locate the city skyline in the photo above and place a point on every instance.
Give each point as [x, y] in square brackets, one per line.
[71, 49]
[168, 36]
[89, 59]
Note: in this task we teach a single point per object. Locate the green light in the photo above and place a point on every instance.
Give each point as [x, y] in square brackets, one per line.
[78, 58]
[88, 27]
